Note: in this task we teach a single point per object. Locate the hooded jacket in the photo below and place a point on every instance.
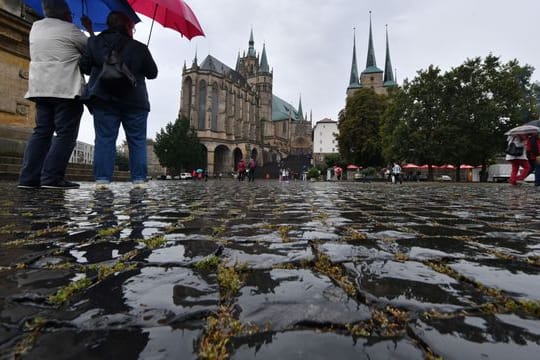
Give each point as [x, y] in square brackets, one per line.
[137, 58]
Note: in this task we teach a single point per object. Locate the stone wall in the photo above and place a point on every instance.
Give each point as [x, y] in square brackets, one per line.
[16, 113]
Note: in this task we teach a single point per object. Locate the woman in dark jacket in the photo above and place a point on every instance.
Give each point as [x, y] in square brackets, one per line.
[130, 109]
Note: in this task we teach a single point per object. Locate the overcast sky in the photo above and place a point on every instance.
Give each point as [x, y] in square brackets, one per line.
[309, 44]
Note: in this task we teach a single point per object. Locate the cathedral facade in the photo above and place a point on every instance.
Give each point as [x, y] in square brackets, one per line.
[236, 115]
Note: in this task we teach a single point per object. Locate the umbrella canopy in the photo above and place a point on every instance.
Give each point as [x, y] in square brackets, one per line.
[172, 14]
[425, 166]
[410, 166]
[465, 166]
[447, 167]
[353, 167]
[96, 10]
[523, 129]
[534, 123]
[199, 171]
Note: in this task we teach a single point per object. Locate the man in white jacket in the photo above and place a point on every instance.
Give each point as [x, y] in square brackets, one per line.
[55, 84]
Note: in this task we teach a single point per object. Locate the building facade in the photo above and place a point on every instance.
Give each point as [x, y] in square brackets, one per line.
[372, 77]
[83, 153]
[236, 115]
[324, 139]
[16, 113]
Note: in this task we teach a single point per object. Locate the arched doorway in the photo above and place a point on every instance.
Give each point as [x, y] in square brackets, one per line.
[237, 155]
[222, 160]
[254, 154]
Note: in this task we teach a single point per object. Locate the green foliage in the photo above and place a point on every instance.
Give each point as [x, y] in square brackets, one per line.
[333, 160]
[208, 263]
[313, 173]
[457, 117]
[178, 148]
[65, 293]
[121, 161]
[358, 139]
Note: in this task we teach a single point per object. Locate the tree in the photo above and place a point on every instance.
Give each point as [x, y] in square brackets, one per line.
[460, 116]
[121, 161]
[413, 129]
[358, 138]
[333, 160]
[178, 148]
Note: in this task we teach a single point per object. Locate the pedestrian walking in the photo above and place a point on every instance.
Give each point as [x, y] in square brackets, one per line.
[55, 84]
[241, 168]
[111, 109]
[519, 159]
[396, 174]
[533, 150]
[251, 174]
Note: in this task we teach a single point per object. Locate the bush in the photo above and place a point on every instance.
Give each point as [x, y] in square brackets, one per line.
[313, 173]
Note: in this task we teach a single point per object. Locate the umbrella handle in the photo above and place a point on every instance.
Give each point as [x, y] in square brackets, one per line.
[152, 26]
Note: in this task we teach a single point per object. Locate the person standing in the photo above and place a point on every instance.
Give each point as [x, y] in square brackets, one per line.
[110, 110]
[55, 84]
[241, 168]
[518, 160]
[252, 165]
[396, 174]
[533, 150]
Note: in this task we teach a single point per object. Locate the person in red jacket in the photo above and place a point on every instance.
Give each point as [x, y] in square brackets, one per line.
[533, 150]
[241, 168]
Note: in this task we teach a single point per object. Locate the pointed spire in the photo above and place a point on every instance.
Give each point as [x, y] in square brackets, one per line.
[388, 74]
[251, 48]
[237, 68]
[264, 62]
[354, 82]
[194, 63]
[311, 116]
[371, 63]
[300, 111]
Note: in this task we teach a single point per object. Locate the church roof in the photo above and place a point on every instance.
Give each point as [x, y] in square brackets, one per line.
[354, 83]
[264, 61]
[210, 63]
[371, 63]
[282, 110]
[388, 72]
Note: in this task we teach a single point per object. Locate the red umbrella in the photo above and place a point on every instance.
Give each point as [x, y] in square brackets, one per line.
[353, 167]
[173, 14]
[465, 166]
[447, 167]
[410, 166]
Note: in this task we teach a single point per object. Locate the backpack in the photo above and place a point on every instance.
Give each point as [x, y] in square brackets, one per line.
[115, 77]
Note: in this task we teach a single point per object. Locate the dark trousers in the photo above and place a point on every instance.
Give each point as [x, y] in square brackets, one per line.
[46, 157]
[251, 175]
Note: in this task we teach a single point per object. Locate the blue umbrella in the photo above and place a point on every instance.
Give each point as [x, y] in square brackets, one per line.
[96, 10]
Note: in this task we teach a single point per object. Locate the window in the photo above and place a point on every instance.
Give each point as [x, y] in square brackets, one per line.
[202, 105]
[320, 150]
[333, 149]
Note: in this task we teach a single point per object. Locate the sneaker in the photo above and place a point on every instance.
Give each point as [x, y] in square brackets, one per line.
[102, 186]
[62, 184]
[139, 184]
[28, 186]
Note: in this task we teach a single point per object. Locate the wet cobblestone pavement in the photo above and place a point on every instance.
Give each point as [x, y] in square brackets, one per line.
[188, 270]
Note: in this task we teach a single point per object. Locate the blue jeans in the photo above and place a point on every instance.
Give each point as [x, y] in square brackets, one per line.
[107, 121]
[46, 157]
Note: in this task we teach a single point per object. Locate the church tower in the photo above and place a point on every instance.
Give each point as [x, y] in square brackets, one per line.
[388, 80]
[249, 63]
[354, 83]
[263, 82]
[372, 76]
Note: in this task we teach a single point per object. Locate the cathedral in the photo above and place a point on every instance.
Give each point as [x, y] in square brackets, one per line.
[372, 77]
[236, 115]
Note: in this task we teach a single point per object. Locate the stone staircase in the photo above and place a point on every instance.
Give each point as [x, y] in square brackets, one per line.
[10, 167]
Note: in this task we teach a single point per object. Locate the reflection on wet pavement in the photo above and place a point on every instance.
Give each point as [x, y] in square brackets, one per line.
[270, 270]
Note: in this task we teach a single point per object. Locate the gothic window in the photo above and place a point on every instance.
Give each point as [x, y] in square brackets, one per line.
[215, 105]
[187, 90]
[202, 104]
